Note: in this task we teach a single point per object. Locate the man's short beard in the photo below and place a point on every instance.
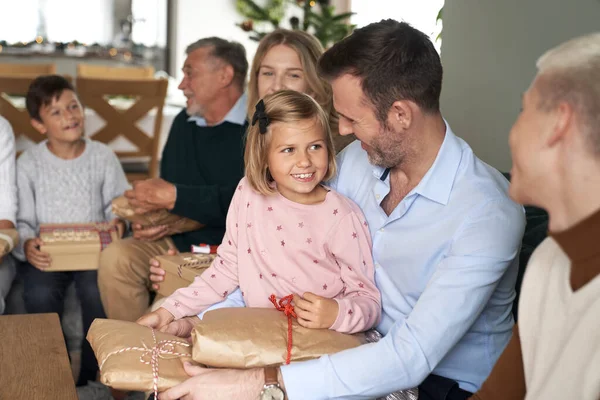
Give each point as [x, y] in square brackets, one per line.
[386, 150]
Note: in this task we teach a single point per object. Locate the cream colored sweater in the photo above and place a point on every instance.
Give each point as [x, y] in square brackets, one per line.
[559, 329]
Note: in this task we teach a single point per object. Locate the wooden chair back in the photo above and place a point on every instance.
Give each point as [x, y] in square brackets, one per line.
[17, 116]
[27, 70]
[148, 95]
[106, 72]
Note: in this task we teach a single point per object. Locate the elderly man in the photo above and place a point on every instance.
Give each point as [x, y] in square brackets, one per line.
[555, 143]
[445, 238]
[201, 165]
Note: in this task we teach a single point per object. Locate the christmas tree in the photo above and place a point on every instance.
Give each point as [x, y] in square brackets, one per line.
[318, 18]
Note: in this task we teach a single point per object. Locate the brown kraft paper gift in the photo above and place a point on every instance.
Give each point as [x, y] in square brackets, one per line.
[76, 247]
[122, 209]
[124, 351]
[9, 238]
[181, 269]
[257, 337]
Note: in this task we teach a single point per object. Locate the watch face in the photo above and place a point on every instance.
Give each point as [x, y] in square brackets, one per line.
[272, 393]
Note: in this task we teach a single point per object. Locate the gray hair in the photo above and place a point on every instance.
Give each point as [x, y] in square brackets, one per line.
[230, 52]
[570, 72]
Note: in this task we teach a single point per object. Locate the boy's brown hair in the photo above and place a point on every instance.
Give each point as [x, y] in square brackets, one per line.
[42, 91]
[287, 106]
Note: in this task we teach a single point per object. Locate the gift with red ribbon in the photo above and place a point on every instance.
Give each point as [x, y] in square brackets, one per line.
[246, 337]
[134, 357]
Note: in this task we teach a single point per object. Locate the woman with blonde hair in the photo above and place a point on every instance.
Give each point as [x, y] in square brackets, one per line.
[287, 59]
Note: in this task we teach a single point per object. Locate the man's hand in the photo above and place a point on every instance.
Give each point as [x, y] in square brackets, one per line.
[156, 319]
[157, 274]
[37, 258]
[151, 194]
[217, 384]
[315, 311]
[150, 233]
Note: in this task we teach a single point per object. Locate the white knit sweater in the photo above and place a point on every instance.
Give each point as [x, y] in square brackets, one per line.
[54, 190]
[8, 187]
[559, 329]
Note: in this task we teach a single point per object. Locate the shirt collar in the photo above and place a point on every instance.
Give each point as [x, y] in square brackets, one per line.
[237, 114]
[437, 183]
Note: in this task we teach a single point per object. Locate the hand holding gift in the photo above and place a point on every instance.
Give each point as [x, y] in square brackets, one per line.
[151, 195]
[153, 224]
[156, 319]
[315, 311]
[39, 259]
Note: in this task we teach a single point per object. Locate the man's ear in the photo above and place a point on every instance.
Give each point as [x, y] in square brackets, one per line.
[400, 114]
[562, 118]
[38, 126]
[226, 75]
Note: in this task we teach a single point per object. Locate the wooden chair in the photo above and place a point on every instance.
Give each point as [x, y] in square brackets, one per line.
[105, 72]
[27, 70]
[149, 94]
[18, 117]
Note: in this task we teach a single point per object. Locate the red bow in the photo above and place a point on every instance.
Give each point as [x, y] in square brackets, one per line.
[285, 305]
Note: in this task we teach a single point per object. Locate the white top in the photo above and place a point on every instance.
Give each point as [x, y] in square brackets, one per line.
[559, 329]
[8, 186]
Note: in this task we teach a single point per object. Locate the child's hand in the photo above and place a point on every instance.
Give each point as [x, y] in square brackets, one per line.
[156, 319]
[315, 311]
[37, 258]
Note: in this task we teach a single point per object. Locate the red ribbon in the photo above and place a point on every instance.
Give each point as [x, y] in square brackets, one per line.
[285, 305]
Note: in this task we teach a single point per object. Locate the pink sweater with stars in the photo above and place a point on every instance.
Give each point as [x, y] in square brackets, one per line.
[275, 246]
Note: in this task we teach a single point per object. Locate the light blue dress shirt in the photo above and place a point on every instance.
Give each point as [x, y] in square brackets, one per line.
[236, 115]
[446, 264]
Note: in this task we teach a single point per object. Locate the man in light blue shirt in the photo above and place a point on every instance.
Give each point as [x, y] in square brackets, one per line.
[445, 236]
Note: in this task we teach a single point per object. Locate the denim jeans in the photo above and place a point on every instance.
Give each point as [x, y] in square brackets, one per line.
[44, 292]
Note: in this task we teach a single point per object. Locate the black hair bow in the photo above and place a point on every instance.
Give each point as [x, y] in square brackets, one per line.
[260, 115]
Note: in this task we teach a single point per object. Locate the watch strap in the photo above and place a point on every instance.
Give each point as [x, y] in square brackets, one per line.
[271, 376]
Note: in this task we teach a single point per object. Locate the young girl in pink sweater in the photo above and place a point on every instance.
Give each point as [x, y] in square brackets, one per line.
[286, 232]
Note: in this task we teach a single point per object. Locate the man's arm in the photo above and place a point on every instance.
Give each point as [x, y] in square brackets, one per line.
[455, 296]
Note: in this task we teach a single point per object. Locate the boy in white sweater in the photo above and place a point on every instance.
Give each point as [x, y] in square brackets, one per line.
[64, 179]
[8, 203]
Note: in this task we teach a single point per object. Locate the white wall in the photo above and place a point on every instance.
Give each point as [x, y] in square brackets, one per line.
[196, 19]
[489, 49]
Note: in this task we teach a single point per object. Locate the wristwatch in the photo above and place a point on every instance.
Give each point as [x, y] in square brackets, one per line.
[272, 390]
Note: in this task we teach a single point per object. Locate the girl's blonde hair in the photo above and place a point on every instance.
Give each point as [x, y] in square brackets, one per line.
[309, 50]
[286, 106]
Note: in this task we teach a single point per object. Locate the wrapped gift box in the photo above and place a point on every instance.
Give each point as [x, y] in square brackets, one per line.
[181, 269]
[127, 354]
[76, 247]
[122, 209]
[9, 238]
[256, 337]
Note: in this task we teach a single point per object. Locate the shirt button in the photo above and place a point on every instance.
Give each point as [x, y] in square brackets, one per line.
[377, 196]
[382, 229]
